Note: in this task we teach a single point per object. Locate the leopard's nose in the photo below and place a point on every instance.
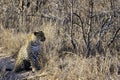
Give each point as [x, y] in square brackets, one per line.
[43, 39]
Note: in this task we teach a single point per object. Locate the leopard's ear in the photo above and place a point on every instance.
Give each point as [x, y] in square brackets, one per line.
[36, 33]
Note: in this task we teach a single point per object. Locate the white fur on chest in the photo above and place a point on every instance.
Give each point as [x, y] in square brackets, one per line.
[35, 48]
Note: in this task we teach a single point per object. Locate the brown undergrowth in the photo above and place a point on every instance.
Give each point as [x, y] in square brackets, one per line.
[62, 63]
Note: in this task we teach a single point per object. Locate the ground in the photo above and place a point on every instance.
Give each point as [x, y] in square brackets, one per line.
[7, 62]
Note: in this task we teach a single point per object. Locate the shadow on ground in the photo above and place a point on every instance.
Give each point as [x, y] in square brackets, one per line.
[6, 67]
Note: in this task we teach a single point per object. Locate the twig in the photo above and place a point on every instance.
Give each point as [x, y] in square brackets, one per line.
[83, 31]
[112, 40]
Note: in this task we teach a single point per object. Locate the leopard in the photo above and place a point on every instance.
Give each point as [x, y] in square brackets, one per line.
[29, 54]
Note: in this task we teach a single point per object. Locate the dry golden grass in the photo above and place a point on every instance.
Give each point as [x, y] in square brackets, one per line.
[11, 41]
[63, 65]
[73, 67]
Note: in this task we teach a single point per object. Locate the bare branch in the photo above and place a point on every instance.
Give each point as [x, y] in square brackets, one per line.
[83, 31]
[112, 40]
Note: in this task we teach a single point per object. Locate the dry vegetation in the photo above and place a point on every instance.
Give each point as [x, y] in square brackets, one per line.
[82, 38]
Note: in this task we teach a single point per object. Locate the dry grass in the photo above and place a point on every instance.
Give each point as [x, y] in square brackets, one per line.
[11, 41]
[63, 65]
[73, 67]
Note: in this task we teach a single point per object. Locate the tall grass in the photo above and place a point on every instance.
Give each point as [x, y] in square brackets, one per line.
[63, 64]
